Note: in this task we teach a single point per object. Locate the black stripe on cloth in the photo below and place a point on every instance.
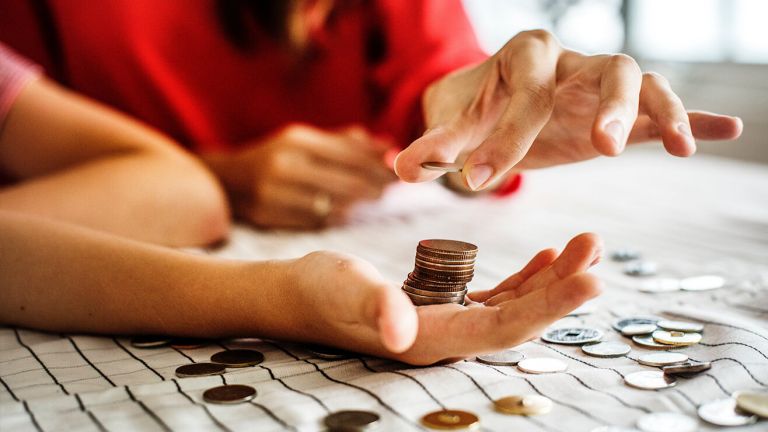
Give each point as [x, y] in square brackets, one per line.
[184, 354]
[203, 406]
[618, 399]
[90, 414]
[272, 415]
[146, 409]
[137, 358]
[734, 343]
[685, 396]
[717, 381]
[32, 416]
[87, 360]
[34, 354]
[8, 388]
[405, 375]
[578, 359]
[723, 325]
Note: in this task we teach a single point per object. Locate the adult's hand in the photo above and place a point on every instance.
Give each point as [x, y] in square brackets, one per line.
[302, 177]
[535, 104]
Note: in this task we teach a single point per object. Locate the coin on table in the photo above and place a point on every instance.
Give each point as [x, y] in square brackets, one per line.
[687, 368]
[625, 254]
[620, 323]
[638, 329]
[351, 421]
[641, 268]
[527, 405]
[659, 285]
[724, 412]
[188, 343]
[650, 380]
[442, 166]
[648, 342]
[702, 283]
[502, 358]
[238, 358]
[150, 341]
[682, 326]
[200, 369]
[662, 359]
[542, 365]
[676, 337]
[450, 420]
[606, 349]
[667, 422]
[572, 335]
[229, 394]
[753, 402]
[328, 353]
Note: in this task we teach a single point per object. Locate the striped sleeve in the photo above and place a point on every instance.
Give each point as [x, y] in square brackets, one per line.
[15, 72]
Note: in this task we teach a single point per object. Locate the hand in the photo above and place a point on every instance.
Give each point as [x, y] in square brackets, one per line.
[303, 177]
[343, 301]
[535, 104]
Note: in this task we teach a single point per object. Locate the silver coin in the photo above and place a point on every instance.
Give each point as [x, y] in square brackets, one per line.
[606, 349]
[625, 254]
[238, 358]
[503, 358]
[687, 368]
[723, 412]
[542, 365]
[662, 359]
[620, 323]
[638, 329]
[702, 283]
[682, 326]
[150, 341]
[641, 268]
[650, 380]
[659, 285]
[753, 402]
[442, 166]
[667, 422]
[229, 394]
[200, 369]
[648, 342]
[351, 421]
[572, 335]
[328, 353]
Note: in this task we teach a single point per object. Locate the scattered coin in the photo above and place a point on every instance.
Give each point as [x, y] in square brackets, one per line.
[188, 343]
[625, 254]
[503, 358]
[641, 268]
[723, 412]
[229, 394]
[680, 326]
[753, 402]
[638, 329]
[702, 283]
[620, 323]
[667, 422]
[659, 285]
[662, 359]
[442, 166]
[527, 405]
[150, 341]
[687, 368]
[238, 358]
[542, 365]
[648, 342]
[450, 420]
[606, 349]
[649, 380]
[572, 335]
[676, 337]
[328, 353]
[199, 369]
[351, 421]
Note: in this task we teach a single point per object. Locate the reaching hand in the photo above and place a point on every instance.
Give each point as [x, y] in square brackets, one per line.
[535, 104]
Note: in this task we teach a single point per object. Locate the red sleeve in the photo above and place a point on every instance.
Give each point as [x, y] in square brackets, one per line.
[424, 40]
[20, 29]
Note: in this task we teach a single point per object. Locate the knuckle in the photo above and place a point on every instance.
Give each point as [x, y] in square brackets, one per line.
[539, 35]
[540, 96]
[623, 61]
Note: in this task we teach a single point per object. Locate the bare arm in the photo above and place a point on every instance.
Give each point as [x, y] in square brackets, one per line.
[80, 162]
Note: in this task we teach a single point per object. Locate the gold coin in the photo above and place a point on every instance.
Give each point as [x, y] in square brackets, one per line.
[524, 405]
[450, 420]
[676, 337]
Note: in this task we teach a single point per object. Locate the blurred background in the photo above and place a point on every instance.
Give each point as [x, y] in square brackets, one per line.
[714, 52]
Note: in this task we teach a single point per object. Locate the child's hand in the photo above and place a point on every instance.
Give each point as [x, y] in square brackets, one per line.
[343, 301]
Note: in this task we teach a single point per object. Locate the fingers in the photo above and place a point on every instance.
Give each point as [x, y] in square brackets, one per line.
[395, 318]
[340, 183]
[286, 206]
[705, 126]
[536, 264]
[441, 144]
[665, 109]
[619, 99]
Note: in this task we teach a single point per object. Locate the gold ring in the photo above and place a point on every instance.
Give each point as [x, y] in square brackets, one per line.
[322, 205]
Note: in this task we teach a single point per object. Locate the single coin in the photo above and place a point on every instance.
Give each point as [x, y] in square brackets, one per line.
[753, 402]
[620, 323]
[724, 412]
[428, 293]
[606, 349]
[572, 335]
[667, 422]
[188, 343]
[200, 369]
[229, 394]
[659, 285]
[649, 380]
[450, 420]
[625, 254]
[419, 300]
[150, 341]
[680, 326]
[638, 329]
[449, 247]
[662, 359]
[702, 283]
[676, 337]
[687, 368]
[443, 266]
[328, 353]
[238, 358]
[542, 365]
[641, 268]
[442, 166]
[527, 405]
[449, 260]
[351, 421]
[648, 342]
[503, 358]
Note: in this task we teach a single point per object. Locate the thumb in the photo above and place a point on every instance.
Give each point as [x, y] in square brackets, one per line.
[395, 319]
[439, 144]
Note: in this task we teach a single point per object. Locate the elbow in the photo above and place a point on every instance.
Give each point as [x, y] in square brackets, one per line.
[208, 216]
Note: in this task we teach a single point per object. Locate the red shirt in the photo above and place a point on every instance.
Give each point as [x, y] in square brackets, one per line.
[170, 64]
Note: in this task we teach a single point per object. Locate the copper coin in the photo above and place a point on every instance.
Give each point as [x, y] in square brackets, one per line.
[450, 420]
[229, 394]
[416, 291]
[687, 368]
[351, 421]
[448, 247]
[443, 260]
[328, 353]
[238, 358]
[418, 300]
[524, 405]
[443, 265]
[200, 369]
[150, 341]
[188, 343]
[442, 166]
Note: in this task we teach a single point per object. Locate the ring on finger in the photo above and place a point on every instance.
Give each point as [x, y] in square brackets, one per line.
[322, 205]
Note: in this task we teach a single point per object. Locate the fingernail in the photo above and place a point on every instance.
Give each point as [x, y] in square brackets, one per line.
[616, 131]
[394, 164]
[685, 130]
[478, 176]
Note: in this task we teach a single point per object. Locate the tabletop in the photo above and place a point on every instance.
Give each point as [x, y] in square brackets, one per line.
[696, 216]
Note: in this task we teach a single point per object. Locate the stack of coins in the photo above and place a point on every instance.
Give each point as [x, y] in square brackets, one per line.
[442, 271]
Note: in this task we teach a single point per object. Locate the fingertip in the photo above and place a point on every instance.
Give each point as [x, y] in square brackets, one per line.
[609, 137]
[579, 254]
